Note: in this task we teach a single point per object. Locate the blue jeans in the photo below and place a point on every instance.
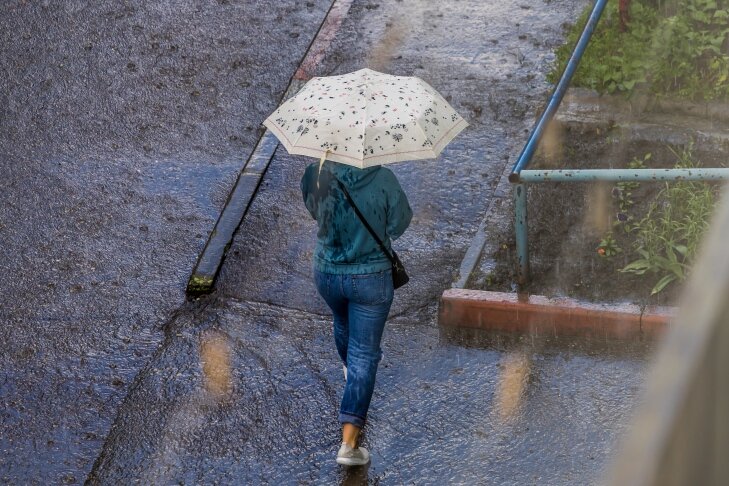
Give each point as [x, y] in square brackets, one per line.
[360, 304]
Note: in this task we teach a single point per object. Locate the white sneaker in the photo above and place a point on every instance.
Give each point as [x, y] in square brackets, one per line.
[344, 368]
[348, 456]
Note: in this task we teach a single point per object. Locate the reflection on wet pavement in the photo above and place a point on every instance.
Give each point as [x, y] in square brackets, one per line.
[449, 407]
[513, 375]
[215, 360]
[246, 386]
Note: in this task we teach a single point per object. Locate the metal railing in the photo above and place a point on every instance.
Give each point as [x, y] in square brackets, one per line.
[519, 176]
[556, 98]
[680, 435]
[521, 226]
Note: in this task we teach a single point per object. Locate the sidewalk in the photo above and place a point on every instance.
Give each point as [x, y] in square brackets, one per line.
[123, 126]
[444, 411]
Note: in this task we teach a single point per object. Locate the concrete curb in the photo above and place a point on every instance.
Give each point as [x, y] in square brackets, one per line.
[535, 314]
[239, 200]
[203, 276]
[647, 119]
[640, 105]
[500, 202]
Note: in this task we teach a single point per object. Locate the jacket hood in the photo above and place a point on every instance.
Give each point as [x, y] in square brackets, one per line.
[352, 177]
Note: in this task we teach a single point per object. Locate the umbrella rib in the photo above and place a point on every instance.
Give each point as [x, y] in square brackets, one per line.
[446, 138]
[309, 86]
[364, 121]
[432, 149]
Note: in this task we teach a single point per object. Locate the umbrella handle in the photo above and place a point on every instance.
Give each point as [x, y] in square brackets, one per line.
[321, 163]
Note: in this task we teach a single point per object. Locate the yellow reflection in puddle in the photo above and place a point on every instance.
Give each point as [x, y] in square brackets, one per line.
[513, 376]
[215, 358]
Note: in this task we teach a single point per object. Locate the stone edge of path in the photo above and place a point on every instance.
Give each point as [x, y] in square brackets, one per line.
[481, 245]
[202, 279]
[590, 103]
[536, 314]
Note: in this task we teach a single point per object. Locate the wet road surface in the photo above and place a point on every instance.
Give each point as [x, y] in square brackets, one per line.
[447, 409]
[243, 386]
[246, 386]
[122, 128]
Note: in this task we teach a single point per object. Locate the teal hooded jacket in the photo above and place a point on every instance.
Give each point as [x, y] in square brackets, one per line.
[344, 245]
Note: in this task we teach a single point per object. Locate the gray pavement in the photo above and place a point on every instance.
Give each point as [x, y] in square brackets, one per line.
[242, 387]
[122, 128]
[444, 412]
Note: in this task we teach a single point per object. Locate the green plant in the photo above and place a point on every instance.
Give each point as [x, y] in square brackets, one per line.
[669, 48]
[667, 237]
[689, 51]
[623, 192]
[608, 247]
[614, 60]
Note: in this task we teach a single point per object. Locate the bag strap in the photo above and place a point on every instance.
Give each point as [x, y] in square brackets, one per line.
[364, 221]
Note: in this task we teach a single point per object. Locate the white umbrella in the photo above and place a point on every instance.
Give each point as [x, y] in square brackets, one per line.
[366, 118]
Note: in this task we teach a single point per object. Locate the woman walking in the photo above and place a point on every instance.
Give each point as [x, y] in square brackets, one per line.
[354, 276]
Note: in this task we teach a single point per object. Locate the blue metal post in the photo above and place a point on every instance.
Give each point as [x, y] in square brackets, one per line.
[522, 233]
[559, 91]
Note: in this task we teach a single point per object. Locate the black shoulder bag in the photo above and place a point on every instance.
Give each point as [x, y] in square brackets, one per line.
[399, 275]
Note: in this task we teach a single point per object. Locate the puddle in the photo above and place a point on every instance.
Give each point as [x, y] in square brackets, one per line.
[449, 407]
[494, 408]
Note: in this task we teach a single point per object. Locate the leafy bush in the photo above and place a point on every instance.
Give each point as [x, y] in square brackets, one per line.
[669, 48]
[668, 236]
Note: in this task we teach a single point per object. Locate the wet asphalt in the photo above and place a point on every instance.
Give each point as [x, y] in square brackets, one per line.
[122, 128]
[125, 133]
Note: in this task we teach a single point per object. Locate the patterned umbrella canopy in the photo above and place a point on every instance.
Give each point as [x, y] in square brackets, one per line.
[366, 118]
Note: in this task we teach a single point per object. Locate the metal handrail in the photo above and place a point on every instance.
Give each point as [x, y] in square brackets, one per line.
[521, 227]
[519, 176]
[624, 175]
[554, 101]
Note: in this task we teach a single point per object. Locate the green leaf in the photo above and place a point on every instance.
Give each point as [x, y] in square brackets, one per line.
[677, 270]
[638, 267]
[671, 254]
[662, 283]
